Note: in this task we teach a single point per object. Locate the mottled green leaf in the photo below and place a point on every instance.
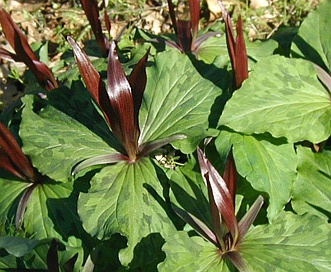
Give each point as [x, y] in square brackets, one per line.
[268, 165]
[51, 212]
[283, 97]
[291, 243]
[177, 99]
[215, 47]
[189, 192]
[11, 190]
[313, 40]
[17, 246]
[312, 191]
[186, 254]
[127, 199]
[55, 142]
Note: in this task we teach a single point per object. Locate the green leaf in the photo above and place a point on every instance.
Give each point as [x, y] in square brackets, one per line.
[51, 212]
[11, 190]
[313, 40]
[291, 243]
[56, 142]
[17, 246]
[126, 199]
[267, 164]
[212, 48]
[284, 97]
[312, 192]
[186, 253]
[189, 192]
[177, 99]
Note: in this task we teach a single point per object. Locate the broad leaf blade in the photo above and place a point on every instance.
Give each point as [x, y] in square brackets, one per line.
[171, 106]
[11, 191]
[186, 253]
[283, 97]
[53, 134]
[127, 199]
[313, 41]
[17, 246]
[312, 191]
[262, 162]
[291, 243]
[51, 212]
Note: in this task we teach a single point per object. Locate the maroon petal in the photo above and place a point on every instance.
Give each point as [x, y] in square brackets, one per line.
[241, 62]
[120, 95]
[195, 17]
[15, 37]
[91, 78]
[4, 54]
[230, 40]
[220, 194]
[184, 35]
[24, 52]
[91, 10]
[14, 160]
[230, 176]
[173, 16]
[137, 81]
[107, 20]
[6, 164]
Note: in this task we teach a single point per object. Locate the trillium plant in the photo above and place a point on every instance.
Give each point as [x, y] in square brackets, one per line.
[113, 163]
